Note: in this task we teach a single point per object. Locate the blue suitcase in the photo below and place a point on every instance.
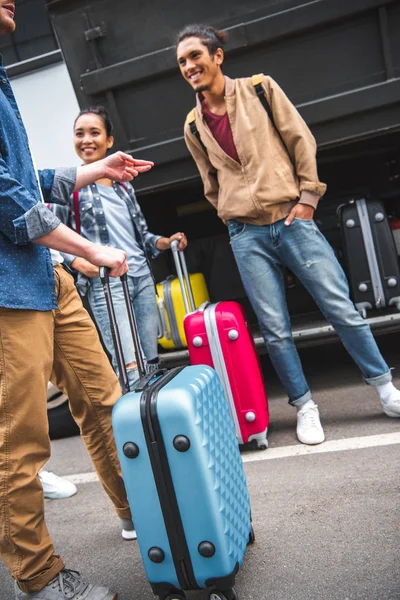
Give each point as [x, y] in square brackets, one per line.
[184, 477]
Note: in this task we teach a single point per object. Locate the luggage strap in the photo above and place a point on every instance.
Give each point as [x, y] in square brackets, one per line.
[77, 212]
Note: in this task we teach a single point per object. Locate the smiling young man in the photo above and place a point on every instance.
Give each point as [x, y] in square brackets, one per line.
[43, 326]
[259, 171]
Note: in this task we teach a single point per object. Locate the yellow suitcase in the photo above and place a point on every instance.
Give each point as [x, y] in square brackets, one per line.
[173, 305]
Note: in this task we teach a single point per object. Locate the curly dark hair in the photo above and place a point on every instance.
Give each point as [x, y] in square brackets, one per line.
[211, 38]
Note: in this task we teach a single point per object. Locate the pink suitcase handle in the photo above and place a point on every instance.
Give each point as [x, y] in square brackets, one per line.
[183, 276]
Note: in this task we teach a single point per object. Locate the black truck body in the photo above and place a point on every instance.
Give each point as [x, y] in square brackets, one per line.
[337, 60]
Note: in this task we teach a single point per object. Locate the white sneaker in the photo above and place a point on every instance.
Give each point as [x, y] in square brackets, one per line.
[309, 429]
[55, 487]
[128, 530]
[391, 406]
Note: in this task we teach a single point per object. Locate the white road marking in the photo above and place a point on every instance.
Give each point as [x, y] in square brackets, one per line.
[82, 478]
[356, 443]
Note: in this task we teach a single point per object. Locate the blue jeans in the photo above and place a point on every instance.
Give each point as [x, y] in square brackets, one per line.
[260, 253]
[143, 300]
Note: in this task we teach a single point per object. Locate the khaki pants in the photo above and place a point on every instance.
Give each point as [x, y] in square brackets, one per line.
[35, 347]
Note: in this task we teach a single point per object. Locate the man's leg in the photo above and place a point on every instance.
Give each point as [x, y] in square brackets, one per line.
[26, 356]
[308, 254]
[260, 270]
[256, 250]
[82, 371]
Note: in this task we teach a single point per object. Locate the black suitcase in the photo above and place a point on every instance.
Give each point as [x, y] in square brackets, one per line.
[370, 254]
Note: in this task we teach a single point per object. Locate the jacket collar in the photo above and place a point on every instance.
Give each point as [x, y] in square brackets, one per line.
[229, 87]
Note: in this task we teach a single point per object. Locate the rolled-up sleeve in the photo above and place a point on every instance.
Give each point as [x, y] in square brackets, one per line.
[21, 212]
[57, 185]
[150, 240]
[34, 224]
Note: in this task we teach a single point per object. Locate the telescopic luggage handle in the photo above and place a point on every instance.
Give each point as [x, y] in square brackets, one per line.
[123, 375]
[183, 276]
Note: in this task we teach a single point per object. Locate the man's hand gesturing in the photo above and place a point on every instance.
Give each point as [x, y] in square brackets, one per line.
[123, 167]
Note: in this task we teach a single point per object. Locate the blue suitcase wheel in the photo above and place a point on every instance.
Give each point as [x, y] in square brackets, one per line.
[130, 450]
[252, 536]
[225, 595]
[156, 555]
[181, 443]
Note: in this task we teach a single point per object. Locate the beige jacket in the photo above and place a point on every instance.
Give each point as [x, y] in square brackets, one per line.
[265, 186]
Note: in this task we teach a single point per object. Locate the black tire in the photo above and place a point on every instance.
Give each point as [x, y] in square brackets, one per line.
[175, 597]
[252, 536]
[226, 595]
[61, 423]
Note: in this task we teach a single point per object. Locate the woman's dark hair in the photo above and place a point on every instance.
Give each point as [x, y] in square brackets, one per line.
[101, 112]
[210, 37]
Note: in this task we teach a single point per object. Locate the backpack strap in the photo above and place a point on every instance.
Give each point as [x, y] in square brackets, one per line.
[257, 80]
[191, 120]
[77, 212]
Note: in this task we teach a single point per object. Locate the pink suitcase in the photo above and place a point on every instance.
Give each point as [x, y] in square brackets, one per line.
[218, 336]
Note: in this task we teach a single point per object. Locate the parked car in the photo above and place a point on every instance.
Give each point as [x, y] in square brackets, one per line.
[61, 423]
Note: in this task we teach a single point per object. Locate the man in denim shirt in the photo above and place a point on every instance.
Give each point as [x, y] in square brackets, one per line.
[43, 323]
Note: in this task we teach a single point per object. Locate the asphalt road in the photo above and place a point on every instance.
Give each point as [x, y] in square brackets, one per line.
[326, 521]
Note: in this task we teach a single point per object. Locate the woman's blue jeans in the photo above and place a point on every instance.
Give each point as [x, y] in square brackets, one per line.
[260, 253]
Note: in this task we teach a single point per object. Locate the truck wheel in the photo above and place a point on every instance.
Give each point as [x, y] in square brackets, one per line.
[61, 423]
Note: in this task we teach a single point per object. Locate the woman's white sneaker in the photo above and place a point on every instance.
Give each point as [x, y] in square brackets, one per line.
[309, 429]
[55, 487]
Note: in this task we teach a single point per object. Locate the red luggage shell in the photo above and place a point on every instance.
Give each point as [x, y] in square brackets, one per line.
[218, 336]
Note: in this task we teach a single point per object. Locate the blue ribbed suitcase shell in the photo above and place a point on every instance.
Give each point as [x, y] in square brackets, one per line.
[208, 479]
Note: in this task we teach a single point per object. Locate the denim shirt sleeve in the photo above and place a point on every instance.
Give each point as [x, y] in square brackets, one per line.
[56, 186]
[63, 212]
[17, 204]
[39, 221]
[63, 185]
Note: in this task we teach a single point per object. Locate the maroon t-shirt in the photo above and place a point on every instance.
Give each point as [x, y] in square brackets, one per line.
[221, 129]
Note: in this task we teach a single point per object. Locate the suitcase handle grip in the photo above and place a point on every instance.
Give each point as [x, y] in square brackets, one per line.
[183, 276]
[163, 329]
[123, 376]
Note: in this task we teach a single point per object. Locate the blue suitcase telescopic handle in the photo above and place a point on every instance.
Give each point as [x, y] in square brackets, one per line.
[123, 376]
